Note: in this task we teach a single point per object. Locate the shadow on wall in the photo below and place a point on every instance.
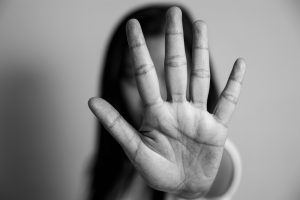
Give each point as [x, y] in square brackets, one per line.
[28, 134]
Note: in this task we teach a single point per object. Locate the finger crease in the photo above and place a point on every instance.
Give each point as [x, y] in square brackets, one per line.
[135, 45]
[236, 80]
[175, 64]
[150, 104]
[173, 57]
[233, 99]
[143, 69]
[114, 122]
[178, 97]
[220, 121]
[201, 73]
[200, 104]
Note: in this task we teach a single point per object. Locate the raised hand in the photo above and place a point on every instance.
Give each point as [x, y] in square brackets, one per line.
[179, 145]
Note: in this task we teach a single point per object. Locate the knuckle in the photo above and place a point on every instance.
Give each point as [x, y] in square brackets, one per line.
[178, 97]
[111, 124]
[175, 64]
[200, 72]
[230, 97]
[175, 61]
[136, 43]
[143, 69]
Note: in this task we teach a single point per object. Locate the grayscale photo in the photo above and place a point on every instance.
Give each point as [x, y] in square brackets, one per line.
[149, 100]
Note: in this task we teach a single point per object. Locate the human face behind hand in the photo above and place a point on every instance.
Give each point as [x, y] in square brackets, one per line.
[130, 94]
[179, 146]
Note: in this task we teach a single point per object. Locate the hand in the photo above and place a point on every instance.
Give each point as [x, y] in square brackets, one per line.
[179, 146]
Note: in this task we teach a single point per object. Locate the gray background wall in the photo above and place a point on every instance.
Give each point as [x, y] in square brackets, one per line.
[50, 58]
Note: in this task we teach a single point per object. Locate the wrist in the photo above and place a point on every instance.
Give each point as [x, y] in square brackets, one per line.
[175, 197]
[196, 195]
[229, 175]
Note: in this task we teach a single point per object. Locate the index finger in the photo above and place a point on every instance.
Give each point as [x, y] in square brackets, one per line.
[147, 81]
[175, 58]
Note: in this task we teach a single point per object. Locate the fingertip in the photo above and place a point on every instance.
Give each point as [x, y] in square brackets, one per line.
[174, 20]
[133, 28]
[134, 33]
[241, 61]
[174, 11]
[200, 26]
[240, 64]
[238, 70]
[92, 102]
[132, 24]
[96, 103]
[200, 34]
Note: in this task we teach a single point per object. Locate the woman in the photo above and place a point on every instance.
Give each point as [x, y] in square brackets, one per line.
[169, 153]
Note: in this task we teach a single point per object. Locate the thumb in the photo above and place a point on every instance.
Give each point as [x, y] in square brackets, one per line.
[116, 125]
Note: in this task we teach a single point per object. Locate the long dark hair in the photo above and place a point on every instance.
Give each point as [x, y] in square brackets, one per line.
[111, 164]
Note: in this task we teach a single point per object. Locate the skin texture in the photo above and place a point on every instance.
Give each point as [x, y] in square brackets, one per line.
[179, 145]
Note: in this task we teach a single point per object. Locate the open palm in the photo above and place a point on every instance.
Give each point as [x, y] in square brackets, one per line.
[179, 146]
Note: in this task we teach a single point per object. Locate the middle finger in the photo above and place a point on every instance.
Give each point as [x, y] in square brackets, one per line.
[175, 60]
